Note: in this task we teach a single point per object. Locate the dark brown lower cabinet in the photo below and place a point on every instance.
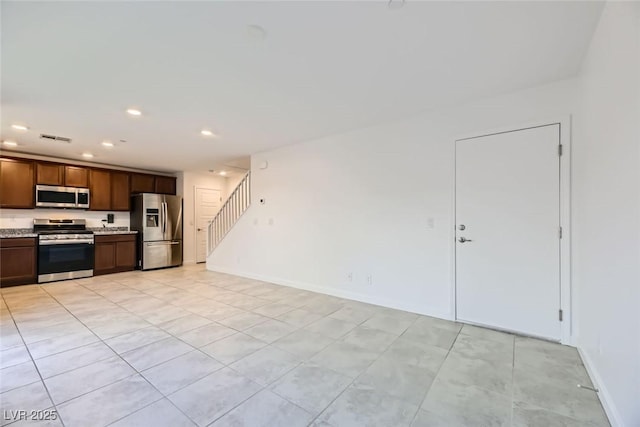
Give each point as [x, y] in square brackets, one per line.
[18, 261]
[114, 253]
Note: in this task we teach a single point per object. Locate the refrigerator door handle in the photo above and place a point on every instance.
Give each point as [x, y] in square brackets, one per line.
[164, 219]
[166, 216]
[177, 223]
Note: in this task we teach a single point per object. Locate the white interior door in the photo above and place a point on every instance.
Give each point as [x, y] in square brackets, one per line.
[508, 210]
[208, 203]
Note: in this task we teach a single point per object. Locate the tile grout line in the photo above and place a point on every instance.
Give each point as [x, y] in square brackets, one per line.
[142, 376]
[333, 340]
[199, 349]
[59, 416]
[268, 387]
[361, 373]
[191, 312]
[307, 359]
[165, 396]
[136, 372]
[175, 391]
[437, 373]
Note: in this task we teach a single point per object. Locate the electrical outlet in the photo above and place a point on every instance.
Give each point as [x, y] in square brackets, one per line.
[431, 223]
[350, 277]
[369, 279]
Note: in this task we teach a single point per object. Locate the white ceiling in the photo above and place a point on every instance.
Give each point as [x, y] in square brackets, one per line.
[73, 68]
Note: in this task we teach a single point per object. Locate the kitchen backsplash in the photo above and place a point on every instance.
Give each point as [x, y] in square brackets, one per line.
[23, 218]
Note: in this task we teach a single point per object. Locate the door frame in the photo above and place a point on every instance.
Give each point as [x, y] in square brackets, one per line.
[567, 326]
[195, 219]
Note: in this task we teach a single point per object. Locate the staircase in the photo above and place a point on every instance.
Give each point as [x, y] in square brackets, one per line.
[237, 203]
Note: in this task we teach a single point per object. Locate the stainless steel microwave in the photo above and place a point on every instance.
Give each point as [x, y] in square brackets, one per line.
[48, 196]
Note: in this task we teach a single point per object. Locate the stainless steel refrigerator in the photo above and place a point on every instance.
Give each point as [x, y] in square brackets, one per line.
[158, 220]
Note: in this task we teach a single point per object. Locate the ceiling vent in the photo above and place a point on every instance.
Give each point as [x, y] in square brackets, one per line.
[55, 138]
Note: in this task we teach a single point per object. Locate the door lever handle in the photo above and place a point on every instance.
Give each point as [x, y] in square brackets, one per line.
[464, 239]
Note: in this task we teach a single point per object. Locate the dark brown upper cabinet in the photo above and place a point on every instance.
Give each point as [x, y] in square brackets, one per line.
[142, 183]
[76, 176]
[165, 185]
[110, 189]
[100, 187]
[17, 183]
[49, 174]
[120, 193]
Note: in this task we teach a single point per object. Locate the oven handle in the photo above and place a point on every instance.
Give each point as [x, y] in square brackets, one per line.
[65, 242]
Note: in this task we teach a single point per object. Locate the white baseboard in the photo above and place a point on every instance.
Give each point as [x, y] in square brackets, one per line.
[603, 393]
[356, 296]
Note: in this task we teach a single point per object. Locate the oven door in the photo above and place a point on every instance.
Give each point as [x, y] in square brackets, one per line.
[70, 260]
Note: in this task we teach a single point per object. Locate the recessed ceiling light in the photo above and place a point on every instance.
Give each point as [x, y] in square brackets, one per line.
[134, 112]
[20, 127]
[10, 143]
[87, 155]
[207, 132]
[223, 173]
[107, 144]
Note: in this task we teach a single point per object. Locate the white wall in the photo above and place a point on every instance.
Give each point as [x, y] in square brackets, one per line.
[606, 244]
[232, 182]
[361, 203]
[186, 184]
[23, 218]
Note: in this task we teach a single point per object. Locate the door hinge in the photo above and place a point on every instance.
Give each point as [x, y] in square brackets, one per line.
[560, 232]
[559, 149]
[560, 315]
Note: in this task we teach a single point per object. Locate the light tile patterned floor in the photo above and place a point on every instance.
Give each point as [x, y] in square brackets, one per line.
[187, 346]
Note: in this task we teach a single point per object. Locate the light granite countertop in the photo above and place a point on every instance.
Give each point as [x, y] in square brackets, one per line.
[8, 233]
[111, 230]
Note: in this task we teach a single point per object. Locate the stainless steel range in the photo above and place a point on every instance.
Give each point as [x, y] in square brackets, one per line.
[65, 249]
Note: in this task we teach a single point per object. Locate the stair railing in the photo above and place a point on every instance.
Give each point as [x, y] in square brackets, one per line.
[230, 212]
